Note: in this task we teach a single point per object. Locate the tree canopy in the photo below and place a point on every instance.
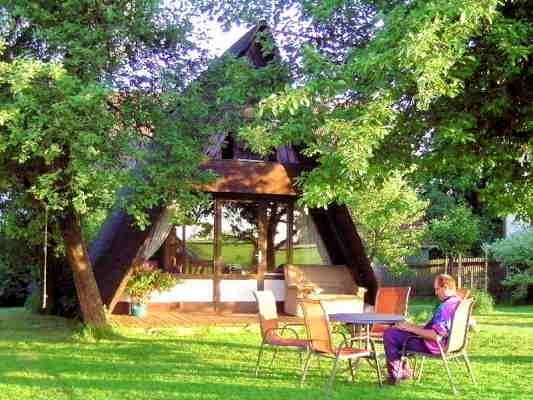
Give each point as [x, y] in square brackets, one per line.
[390, 219]
[438, 91]
[67, 142]
[445, 86]
[98, 109]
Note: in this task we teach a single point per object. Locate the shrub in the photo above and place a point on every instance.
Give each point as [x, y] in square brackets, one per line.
[484, 303]
[144, 281]
[33, 301]
[15, 276]
[456, 232]
[516, 253]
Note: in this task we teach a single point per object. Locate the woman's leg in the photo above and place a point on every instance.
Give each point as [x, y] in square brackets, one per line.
[393, 341]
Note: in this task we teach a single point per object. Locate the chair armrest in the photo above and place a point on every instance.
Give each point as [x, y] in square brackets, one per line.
[295, 324]
[281, 331]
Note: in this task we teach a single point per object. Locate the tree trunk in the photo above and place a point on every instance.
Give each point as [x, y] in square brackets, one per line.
[271, 248]
[92, 307]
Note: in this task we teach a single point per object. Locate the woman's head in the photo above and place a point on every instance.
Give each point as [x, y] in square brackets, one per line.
[444, 286]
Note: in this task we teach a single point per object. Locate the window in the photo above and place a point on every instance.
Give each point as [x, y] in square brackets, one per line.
[189, 248]
[308, 245]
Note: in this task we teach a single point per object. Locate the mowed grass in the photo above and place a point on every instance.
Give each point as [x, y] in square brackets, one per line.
[45, 358]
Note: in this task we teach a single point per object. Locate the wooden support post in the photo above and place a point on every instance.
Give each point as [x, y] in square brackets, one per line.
[486, 272]
[262, 264]
[290, 232]
[460, 272]
[185, 261]
[217, 254]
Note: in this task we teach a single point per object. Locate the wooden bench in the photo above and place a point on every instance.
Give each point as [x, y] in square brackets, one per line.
[332, 284]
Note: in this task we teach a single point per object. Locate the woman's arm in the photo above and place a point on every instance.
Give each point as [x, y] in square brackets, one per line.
[417, 330]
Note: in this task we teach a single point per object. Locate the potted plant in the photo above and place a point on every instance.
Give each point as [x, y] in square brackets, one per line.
[142, 282]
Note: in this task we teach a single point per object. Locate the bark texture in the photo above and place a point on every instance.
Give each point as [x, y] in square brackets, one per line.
[91, 305]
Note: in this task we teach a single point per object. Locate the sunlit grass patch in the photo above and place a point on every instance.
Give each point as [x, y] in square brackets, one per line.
[45, 358]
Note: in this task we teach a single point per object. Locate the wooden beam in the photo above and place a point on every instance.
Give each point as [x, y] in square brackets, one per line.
[185, 257]
[262, 264]
[217, 253]
[169, 251]
[290, 232]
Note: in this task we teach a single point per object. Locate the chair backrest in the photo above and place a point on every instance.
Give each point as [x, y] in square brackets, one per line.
[459, 328]
[392, 299]
[268, 314]
[317, 326]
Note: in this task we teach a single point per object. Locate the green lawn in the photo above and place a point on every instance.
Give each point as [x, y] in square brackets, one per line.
[44, 358]
[241, 253]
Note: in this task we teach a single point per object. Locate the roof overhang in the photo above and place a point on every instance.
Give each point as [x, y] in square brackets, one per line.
[253, 177]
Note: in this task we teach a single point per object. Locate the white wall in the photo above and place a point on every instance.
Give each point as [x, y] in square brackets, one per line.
[277, 286]
[189, 290]
[201, 290]
[237, 290]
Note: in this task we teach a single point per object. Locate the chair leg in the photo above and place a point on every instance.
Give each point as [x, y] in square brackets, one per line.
[306, 368]
[376, 361]
[259, 358]
[446, 365]
[420, 369]
[275, 352]
[469, 367]
[378, 370]
[350, 364]
[411, 362]
[333, 373]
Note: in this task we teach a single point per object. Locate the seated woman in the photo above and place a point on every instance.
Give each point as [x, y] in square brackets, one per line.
[437, 328]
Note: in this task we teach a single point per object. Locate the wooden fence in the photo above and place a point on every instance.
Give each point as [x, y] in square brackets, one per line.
[474, 273]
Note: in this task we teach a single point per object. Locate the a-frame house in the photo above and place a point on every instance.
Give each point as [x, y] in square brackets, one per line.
[239, 243]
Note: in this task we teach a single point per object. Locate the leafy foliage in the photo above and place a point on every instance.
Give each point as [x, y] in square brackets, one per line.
[131, 44]
[15, 276]
[389, 217]
[143, 281]
[484, 303]
[67, 143]
[442, 85]
[445, 194]
[20, 259]
[456, 232]
[516, 253]
[332, 27]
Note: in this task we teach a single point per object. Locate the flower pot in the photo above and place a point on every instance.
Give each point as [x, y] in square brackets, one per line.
[139, 310]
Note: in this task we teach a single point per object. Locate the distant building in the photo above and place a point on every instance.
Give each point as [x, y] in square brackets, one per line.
[513, 225]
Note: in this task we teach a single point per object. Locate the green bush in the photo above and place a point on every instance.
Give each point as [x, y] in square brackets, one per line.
[144, 281]
[33, 301]
[15, 277]
[516, 253]
[484, 303]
